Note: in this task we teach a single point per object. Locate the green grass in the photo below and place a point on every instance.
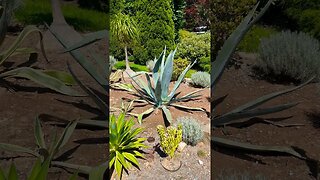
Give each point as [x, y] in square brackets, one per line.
[39, 11]
[251, 41]
[137, 67]
[134, 67]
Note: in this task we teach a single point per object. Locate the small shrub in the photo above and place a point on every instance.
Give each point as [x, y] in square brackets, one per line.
[112, 61]
[150, 65]
[169, 138]
[201, 153]
[193, 46]
[179, 65]
[191, 130]
[290, 54]
[200, 79]
[204, 64]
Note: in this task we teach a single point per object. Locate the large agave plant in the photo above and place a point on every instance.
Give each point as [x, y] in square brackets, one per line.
[156, 91]
[250, 109]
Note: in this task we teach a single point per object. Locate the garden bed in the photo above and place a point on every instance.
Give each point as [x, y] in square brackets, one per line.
[241, 87]
[195, 159]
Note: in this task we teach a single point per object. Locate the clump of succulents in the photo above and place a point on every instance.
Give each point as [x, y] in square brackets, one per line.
[192, 132]
[200, 79]
[169, 138]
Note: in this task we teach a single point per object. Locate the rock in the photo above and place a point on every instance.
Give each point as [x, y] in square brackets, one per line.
[181, 146]
[200, 162]
[201, 144]
[150, 139]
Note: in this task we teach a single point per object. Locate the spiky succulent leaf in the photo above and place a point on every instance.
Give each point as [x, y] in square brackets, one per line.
[41, 78]
[167, 74]
[25, 32]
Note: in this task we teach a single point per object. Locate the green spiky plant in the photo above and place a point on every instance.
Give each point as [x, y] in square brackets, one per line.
[43, 151]
[250, 109]
[158, 94]
[55, 80]
[39, 171]
[49, 154]
[124, 144]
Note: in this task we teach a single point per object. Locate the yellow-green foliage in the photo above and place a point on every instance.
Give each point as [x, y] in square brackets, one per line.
[179, 65]
[169, 138]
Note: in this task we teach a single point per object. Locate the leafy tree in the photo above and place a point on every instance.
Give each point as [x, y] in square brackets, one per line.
[178, 7]
[226, 16]
[197, 13]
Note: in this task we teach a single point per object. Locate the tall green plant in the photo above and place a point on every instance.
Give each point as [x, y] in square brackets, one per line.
[156, 27]
[123, 29]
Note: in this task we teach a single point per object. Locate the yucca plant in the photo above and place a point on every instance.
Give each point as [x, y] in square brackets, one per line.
[250, 109]
[124, 144]
[158, 94]
[55, 80]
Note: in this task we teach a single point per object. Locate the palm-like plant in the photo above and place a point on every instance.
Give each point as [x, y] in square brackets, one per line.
[124, 143]
[158, 94]
[249, 109]
[124, 30]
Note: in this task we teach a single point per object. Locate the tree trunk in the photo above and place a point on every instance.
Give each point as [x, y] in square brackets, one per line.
[127, 59]
[57, 14]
